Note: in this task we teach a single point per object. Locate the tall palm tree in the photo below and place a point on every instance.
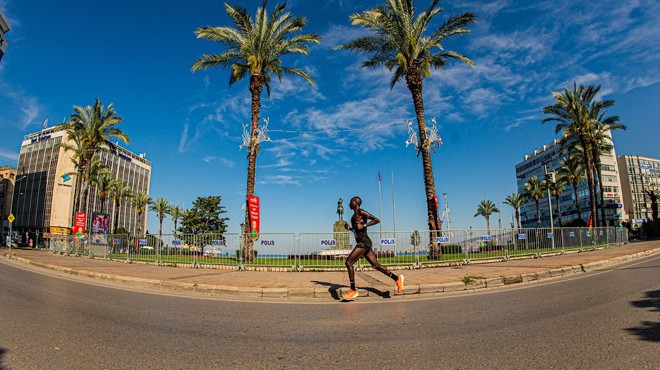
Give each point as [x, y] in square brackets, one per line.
[97, 169]
[119, 191]
[94, 126]
[556, 187]
[515, 200]
[534, 189]
[571, 173]
[103, 188]
[74, 144]
[140, 201]
[573, 112]
[397, 42]
[255, 48]
[486, 208]
[176, 213]
[162, 208]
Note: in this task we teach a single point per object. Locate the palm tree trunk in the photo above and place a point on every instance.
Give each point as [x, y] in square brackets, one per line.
[590, 178]
[87, 170]
[558, 209]
[116, 216]
[599, 177]
[538, 213]
[76, 194]
[577, 201]
[518, 218]
[256, 86]
[414, 82]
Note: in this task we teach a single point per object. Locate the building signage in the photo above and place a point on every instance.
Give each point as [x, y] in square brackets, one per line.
[389, 241]
[40, 138]
[253, 212]
[60, 230]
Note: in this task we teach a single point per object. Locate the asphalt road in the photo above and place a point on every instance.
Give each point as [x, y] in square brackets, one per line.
[607, 319]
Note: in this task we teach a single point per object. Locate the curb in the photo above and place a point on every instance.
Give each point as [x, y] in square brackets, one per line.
[325, 293]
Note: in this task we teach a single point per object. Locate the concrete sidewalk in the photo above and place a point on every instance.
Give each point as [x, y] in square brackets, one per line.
[329, 285]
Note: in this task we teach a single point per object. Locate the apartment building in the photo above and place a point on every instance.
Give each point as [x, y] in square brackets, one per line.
[4, 28]
[43, 199]
[548, 159]
[639, 176]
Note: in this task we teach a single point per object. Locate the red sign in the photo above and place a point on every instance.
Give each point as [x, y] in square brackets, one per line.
[253, 212]
[79, 223]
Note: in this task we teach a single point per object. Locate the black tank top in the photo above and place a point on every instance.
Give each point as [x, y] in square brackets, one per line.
[358, 233]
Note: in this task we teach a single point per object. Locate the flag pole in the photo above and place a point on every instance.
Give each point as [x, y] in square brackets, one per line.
[393, 207]
[380, 207]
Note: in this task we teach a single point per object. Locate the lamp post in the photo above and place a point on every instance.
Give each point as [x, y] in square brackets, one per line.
[11, 209]
[547, 186]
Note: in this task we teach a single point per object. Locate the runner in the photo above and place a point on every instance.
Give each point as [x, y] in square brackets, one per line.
[360, 220]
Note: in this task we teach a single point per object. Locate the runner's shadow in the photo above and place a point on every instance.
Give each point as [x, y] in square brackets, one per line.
[379, 293]
[333, 288]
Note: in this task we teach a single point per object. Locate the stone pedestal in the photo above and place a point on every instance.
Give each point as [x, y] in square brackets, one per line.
[341, 235]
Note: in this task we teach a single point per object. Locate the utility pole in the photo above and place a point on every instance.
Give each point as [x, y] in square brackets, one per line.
[547, 186]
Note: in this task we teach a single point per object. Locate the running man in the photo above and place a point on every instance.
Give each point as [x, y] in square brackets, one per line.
[360, 220]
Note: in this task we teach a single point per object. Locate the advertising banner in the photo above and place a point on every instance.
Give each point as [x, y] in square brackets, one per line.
[79, 224]
[99, 228]
[253, 213]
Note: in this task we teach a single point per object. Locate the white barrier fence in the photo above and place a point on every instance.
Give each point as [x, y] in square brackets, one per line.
[323, 251]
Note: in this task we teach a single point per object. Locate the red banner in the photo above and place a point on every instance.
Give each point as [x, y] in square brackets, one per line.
[253, 212]
[79, 224]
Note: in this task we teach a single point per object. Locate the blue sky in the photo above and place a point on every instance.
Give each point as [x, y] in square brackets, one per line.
[331, 140]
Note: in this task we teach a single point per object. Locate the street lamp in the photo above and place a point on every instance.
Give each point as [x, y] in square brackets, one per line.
[11, 208]
[547, 186]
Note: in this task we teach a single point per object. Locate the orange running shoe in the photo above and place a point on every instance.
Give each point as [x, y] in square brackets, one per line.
[350, 295]
[399, 284]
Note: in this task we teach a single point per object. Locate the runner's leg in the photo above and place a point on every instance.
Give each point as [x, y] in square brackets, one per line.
[355, 254]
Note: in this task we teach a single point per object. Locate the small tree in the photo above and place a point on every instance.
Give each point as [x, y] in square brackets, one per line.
[486, 208]
[204, 218]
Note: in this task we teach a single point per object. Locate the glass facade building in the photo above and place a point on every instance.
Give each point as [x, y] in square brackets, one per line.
[43, 198]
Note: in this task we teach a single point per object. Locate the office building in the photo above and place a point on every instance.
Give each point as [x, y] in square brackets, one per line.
[7, 178]
[43, 199]
[4, 28]
[549, 158]
[639, 176]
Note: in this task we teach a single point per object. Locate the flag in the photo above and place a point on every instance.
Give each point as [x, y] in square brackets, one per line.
[590, 221]
[379, 179]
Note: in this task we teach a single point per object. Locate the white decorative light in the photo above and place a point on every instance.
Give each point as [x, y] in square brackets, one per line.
[431, 136]
[262, 134]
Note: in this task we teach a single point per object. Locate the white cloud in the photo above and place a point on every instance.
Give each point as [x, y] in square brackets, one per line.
[9, 155]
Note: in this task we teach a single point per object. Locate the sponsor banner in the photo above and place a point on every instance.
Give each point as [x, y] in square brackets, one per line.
[79, 224]
[253, 213]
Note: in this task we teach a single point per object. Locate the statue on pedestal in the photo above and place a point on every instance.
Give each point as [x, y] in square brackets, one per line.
[340, 209]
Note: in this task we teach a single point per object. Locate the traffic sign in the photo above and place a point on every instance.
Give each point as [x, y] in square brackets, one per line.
[11, 218]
